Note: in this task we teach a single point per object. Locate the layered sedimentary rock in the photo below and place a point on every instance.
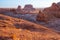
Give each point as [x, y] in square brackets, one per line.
[19, 9]
[4, 10]
[54, 10]
[44, 17]
[50, 17]
[28, 7]
[49, 13]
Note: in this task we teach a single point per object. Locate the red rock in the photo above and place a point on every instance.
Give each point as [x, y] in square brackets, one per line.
[53, 10]
[54, 7]
[43, 17]
[49, 13]
[19, 8]
[28, 7]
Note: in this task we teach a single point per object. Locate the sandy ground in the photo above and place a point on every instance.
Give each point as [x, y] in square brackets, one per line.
[18, 29]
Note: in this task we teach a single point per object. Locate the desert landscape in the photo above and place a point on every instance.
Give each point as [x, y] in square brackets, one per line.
[30, 23]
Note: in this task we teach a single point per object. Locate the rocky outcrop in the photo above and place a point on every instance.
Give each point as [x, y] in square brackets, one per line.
[28, 7]
[49, 13]
[19, 8]
[50, 17]
[44, 17]
[58, 3]
[41, 17]
[54, 10]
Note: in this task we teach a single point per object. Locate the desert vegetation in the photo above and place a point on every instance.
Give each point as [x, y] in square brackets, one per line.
[30, 23]
[19, 29]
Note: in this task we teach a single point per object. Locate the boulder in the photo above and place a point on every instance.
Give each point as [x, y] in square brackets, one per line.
[41, 17]
[44, 17]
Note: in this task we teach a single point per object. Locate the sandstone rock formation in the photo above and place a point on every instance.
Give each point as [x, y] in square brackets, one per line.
[50, 17]
[58, 3]
[28, 7]
[18, 8]
[54, 10]
[54, 7]
[49, 13]
[41, 17]
[44, 17]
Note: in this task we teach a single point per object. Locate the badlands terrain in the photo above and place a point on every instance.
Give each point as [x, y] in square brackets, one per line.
[18, 29]
[36, 25]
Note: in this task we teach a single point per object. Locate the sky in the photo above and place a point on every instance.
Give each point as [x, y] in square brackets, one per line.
[35, 3]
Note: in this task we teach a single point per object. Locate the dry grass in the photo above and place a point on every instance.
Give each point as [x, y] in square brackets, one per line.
[18, 29]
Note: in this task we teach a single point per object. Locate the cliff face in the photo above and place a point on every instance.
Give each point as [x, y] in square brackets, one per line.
[42, 17]
[49, 13]
[54, 7]
[54, 10]
[50, 17]
[28, 7]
